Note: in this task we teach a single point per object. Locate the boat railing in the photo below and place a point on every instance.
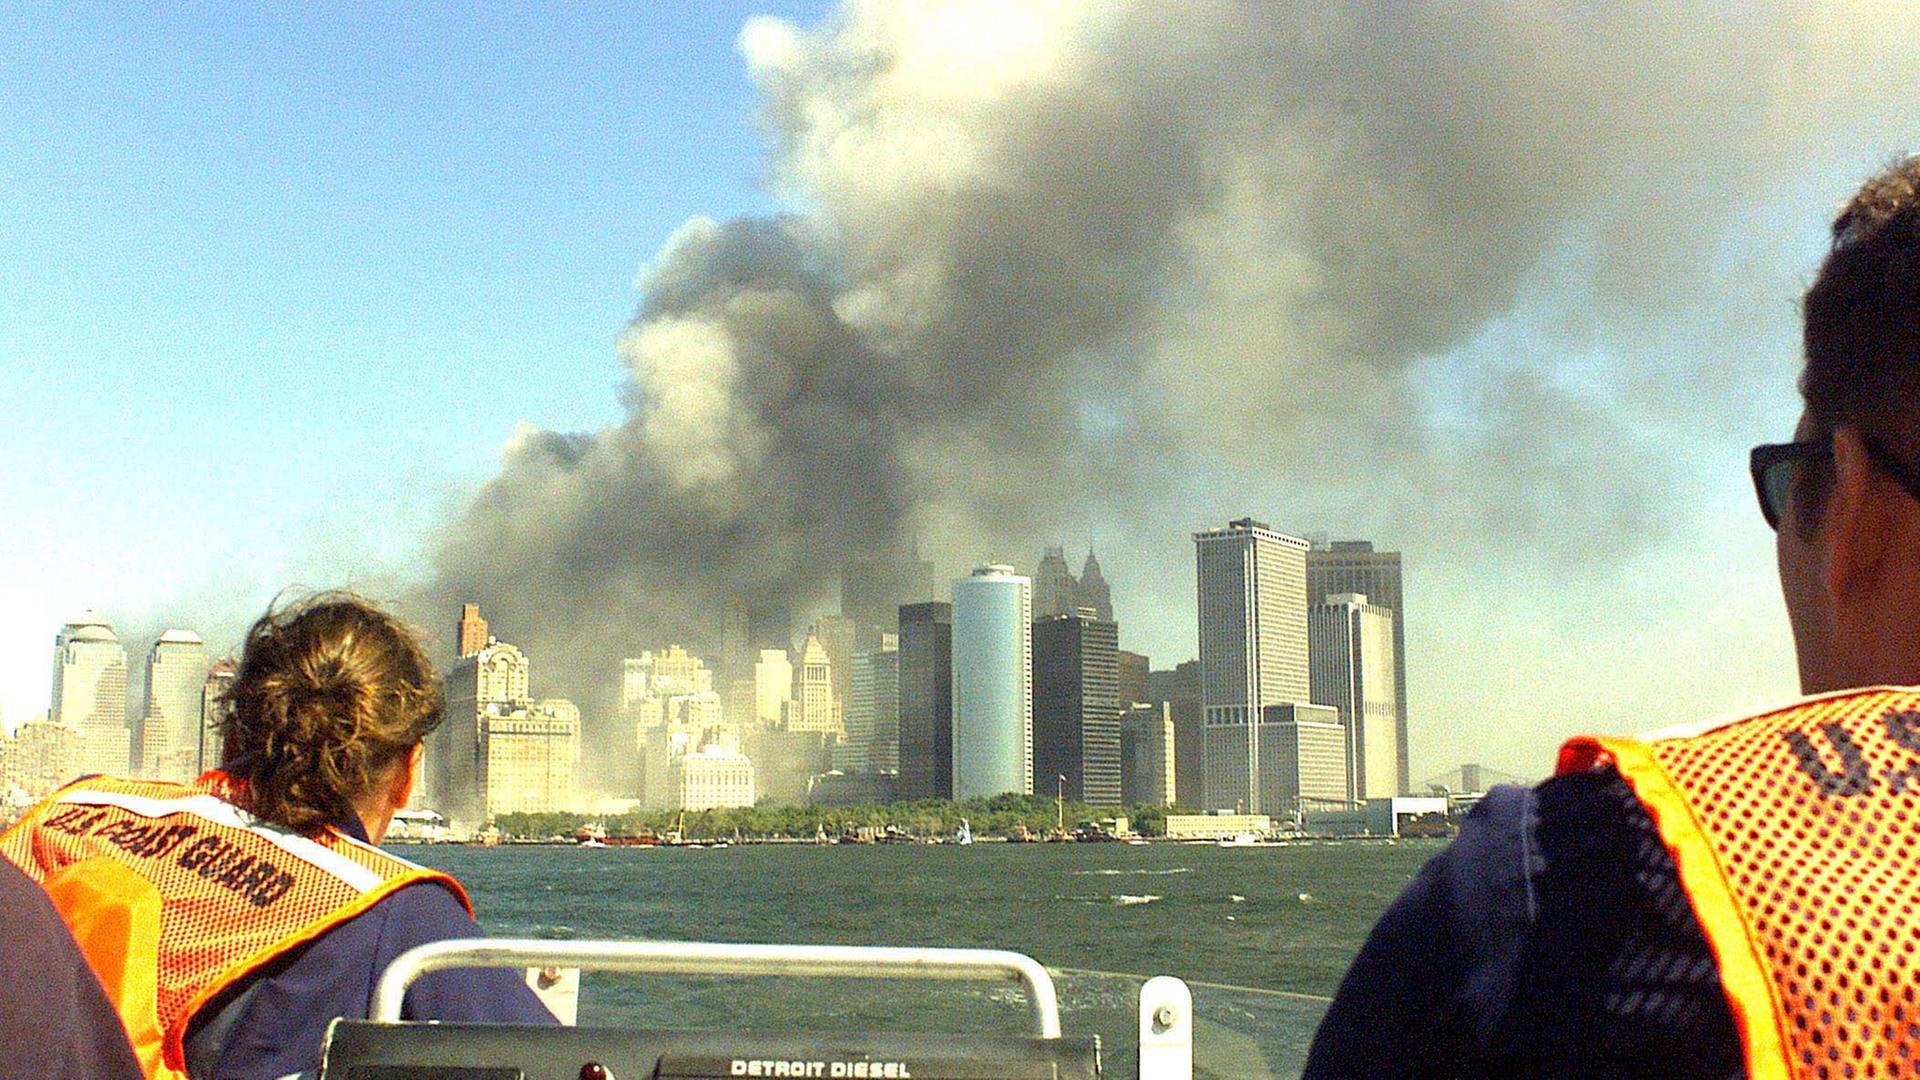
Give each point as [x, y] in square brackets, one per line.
[717, 958]
[1165, 1012]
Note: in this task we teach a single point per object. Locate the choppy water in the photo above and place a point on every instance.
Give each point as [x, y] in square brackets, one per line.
[1282, 922]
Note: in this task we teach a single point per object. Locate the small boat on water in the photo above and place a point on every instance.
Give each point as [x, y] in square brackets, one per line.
[965, 835]
[1240, 839]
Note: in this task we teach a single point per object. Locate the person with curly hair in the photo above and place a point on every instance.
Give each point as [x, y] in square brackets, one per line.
[231, 920]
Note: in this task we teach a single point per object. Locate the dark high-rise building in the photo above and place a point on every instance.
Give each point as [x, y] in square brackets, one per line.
[1076, 707]
[873, 588]
[1352, 566]
[926, 700]
[769, 623]
[1053, 585]
[1135, 679]
[1092, 591]
[1179, 690]
[736, 639]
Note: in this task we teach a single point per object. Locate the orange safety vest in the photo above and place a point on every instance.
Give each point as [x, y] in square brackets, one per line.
[175, 894]
[1796, 834]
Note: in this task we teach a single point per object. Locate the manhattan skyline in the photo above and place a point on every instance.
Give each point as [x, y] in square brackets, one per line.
[305, 302]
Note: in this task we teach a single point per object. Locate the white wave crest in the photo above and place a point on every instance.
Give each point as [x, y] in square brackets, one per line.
[1109, 872]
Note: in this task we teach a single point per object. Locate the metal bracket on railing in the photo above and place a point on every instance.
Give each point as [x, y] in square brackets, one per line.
[1166, 1029]
[708, 958]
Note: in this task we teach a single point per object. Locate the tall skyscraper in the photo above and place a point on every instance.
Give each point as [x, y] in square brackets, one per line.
[736, 660]
[874, 587]
[873, 712]
[926, 700]
[1352, 566]
[772, 686]
[769, 621]
[1092, 590]
[1350, 656]
[471, 631]
[1253, 650]
[736, 638]
[90, 694]
[213, 713]
[1053, 585]
[1147, 755]
[1179, 690]
[177, 669]
[1136, 678]
[992, 683]
[1076, 706]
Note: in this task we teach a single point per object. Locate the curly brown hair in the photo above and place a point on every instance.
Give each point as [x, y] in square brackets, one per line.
[331, 691]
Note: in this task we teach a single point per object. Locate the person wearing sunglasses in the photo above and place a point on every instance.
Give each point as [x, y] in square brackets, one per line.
[1731, 899]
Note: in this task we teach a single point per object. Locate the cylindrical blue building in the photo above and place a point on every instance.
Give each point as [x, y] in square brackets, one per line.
[992, 684]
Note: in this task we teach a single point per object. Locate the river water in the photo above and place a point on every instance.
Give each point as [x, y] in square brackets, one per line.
[1262, 933]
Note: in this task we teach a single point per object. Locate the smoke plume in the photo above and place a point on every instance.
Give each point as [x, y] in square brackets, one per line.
[1488, 275]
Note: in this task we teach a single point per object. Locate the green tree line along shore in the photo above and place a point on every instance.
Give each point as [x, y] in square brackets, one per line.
[1001, 815]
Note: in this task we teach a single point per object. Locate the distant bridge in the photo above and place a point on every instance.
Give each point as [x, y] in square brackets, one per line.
[1473, 777]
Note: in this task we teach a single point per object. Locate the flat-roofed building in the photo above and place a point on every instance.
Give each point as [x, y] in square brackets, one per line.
[926, 701]
[1147, 755]
[1351, 657]
[992, 684]
[1179, 690]
[1076, 706]
[873, 712]
[1353, 566]
[1253, 650]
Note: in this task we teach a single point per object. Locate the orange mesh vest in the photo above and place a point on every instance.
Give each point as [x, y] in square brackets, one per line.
[1796, 837]
[175, 894]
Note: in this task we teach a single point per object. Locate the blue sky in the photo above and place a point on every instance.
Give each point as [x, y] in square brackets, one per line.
[277, 282]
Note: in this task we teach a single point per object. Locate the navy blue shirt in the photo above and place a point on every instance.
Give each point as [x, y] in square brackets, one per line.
[286, 1011]
[55, 1019]
[1551, 938]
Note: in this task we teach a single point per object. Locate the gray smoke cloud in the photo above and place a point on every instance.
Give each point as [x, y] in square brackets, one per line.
[1456, 275]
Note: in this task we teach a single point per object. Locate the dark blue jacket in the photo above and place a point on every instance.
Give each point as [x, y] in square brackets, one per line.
[279, 1019]
[1551, 938]
[55, 1019]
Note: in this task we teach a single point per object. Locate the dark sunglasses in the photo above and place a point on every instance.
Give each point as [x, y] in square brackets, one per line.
[1775, 465]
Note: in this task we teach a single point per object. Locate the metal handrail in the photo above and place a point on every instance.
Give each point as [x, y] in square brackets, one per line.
[712, 958]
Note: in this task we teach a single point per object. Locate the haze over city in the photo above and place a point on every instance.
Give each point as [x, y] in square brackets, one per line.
[590, 318]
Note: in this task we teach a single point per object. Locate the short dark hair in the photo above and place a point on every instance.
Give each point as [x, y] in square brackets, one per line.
[1862, 326]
